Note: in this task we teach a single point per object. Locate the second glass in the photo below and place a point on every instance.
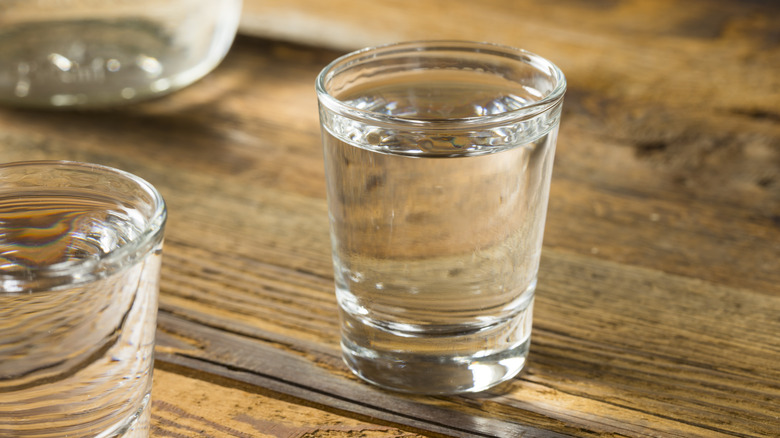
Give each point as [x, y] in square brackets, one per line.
[438, 157]
[80, 253]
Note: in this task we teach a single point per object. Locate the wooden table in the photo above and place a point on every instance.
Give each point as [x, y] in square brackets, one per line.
[658, 306]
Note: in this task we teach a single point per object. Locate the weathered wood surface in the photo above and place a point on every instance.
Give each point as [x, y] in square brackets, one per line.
[658, 307]
[186, 405]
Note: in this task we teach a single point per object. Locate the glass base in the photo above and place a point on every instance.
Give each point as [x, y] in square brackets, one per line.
[431, 375]
[136, 426]
[439, 371]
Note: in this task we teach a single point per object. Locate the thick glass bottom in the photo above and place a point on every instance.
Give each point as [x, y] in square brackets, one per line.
[421, 374]
[438, 364]
[135, 426]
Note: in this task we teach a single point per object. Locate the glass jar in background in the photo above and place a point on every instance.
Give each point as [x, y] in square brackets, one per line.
[99, 53]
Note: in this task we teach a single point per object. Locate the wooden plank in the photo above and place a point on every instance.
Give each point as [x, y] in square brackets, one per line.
[615, 350]
[658, 51]
[240, 358]
[184, 405]
[347, 24]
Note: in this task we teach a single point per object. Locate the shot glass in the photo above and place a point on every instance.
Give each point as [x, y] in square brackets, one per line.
[80, 249]
[438, 157]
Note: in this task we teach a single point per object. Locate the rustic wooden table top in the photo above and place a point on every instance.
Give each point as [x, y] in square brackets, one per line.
[658, 306]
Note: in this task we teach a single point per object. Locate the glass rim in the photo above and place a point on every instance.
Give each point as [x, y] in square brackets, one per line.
[87, 270]
[541, 106]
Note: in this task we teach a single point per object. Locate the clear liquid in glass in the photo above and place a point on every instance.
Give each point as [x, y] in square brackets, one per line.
[75, 360]
[437, 237]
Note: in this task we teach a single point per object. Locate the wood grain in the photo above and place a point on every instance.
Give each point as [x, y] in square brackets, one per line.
[184, 405]
[584, 344]
[658, 300]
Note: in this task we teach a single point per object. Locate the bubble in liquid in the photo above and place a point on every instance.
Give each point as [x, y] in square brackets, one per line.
[150, 65]
[113, 65]
[61, 62]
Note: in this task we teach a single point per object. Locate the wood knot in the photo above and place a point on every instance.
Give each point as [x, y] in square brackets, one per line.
[648, 148]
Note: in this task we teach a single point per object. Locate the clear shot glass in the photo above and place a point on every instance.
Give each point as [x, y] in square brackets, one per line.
[80, 250]
[438, 157]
